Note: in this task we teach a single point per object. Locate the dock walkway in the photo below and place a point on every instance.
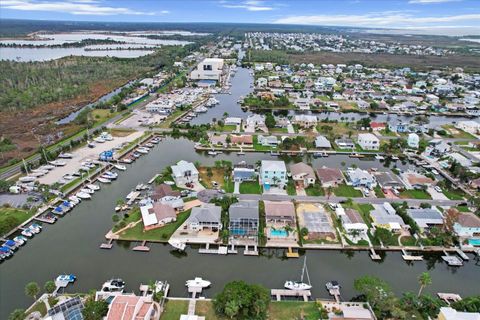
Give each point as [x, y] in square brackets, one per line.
[279, 293]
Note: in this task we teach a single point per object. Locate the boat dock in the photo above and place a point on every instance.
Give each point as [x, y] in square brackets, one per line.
[194, 291]
[60, 284]
[223, 250]
[335, 292]
[153, 179]
[452, 260]
[449, 297]
[408, 257]
[374, 255]
[279, 293]
[248, 252]
[107, 245]
[143, 247]
[292, 254]
[462, 254]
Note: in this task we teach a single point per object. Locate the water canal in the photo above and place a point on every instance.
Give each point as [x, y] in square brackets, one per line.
[72, 246]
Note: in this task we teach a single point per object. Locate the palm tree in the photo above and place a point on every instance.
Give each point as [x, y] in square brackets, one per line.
[32, 289]
[424, 279]
[50, 286]
[329, 192]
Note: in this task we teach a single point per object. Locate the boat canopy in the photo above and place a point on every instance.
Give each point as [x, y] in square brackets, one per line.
[10, 243]
[58, 209]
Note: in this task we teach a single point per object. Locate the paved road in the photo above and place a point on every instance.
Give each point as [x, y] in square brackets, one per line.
[335, 199]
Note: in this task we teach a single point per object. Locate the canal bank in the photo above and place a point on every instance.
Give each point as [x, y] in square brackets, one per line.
[71, 246]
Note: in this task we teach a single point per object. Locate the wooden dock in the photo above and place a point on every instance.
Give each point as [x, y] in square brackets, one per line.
[462, 254]
[374, 255]
[194, 291]
[222, 250]
[107, 245]
[449, 297]
[153, 179]
[335, 292]
[279, 293]
[142, 248]
[60, 285]
[452, 260]
[292, 254]
[408, 257]
[248, 252]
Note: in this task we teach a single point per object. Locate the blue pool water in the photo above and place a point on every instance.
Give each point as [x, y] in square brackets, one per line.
[238, 232]
[474, 242]
[278, 233]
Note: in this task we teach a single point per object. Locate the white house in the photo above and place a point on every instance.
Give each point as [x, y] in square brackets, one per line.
[469, 126]
[208, 69]
[322, 143]
[302, 174]
[267, 140]
[413, 140]
[273, 172]
[368, 141]
[184, 172]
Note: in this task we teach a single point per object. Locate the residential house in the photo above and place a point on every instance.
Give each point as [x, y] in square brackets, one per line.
[232, 121]
[305, 120]
[218, 139]
[262, 82]
[268, 141]
[244, 172]
[244, 139]
[322, 143]
[388, 180]
[244, 219]
[362, 104]
[302, 103]
[352, 221]
[469, 126]
[280, 212]
[254, 122]
[207, 216]
[302, 174]
[467, 225]
[448, 313]
[413, 140]
[157, 215]
[208, 69]
[273, 172]
[184, 172]
[164, 190]
[460, 159]
[368, 141]
[414, 180]
[378, 126]
[385, 216]
[361, 178]
[438, 147]
[330, 177]
[426, 218]
[132, 307]
[344, 143]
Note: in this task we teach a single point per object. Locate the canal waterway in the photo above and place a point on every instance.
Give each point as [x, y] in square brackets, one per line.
[72, 246]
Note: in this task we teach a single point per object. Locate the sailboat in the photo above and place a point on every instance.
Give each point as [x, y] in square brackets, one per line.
[300, 285]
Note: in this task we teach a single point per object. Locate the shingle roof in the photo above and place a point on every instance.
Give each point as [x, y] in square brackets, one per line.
[244, 209]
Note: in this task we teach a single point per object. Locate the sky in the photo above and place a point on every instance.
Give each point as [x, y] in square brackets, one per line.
[432, 16]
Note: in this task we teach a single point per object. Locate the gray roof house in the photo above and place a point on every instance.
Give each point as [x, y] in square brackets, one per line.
[302, 174]
[244, 219]
[322, 143]
[426, 218]
[184, 172]
[388, 180]
[205, 217]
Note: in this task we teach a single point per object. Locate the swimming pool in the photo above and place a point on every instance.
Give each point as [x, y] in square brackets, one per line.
[278, 233]
[238, 232]
[474, 242]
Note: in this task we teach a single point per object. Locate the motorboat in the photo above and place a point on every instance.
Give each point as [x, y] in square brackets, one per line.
[12, 245]
[110, 175]
[36, 226]
[212, 153]
[58, 163]
[84, 168]
[99, 140]
[179, 245]
[114, 285]
[300, 285]
[104, 180]
[68, 177]
[127, 160]
[20, 240]
[47, 167]
[142, 150]
[87, 190]
[90, 144]
[149, 145]
[120, 167]
[27, 179]
[83, 195]
[65, 155]
[198, 282]
[70, 278]
[332, 285]
[37, 174]
[27, 233]
[5, 252]
[94, 187]
[74, 199]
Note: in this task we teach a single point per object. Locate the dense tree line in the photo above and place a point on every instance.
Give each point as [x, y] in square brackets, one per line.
[76, 44]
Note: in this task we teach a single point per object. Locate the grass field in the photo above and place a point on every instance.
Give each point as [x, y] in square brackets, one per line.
[250, 187]
[259, 147]
[174, 309]
[315, 191]
[19, 216]
[347, 191]
[457, 133]
[378, 192]
[218, 175]
[453, 194]
[415, 194]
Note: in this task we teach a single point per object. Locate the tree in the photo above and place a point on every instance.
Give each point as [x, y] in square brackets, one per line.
[378, 293]
[329, 192]
[95, 310]
[32, 289]
[470, 304]
[424, 280]
[17, 314]
[270, 120]
[240, 300]
[49, 287]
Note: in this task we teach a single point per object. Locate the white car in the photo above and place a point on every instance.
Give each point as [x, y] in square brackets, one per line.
[438, 189]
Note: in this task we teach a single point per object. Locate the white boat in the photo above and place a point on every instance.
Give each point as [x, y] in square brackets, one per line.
[179, 245]
[27, 233]
[34, 230]
[198, 282]
[300, 285]
[110, 174]
[212, 153]
[19, 240]
[27, 179]
[120, 167]
[65, 155]
[170, 183]
[68, 177]
[47, 167]
[84, 168]
[127, 160]
[332, 285]
[58, 163]
[99, 140]
[87, 190]
[142, 150]
[104, 180]
[37, 174]
[113, 285]
[70, 278]
[91, 144]
[93, 187]
[83, 195]
[74, 199]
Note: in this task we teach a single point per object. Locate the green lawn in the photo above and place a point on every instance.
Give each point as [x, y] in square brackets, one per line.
[250, 187]
[230, 127]
[364, 210]
[415, 194]
[259, 147]
[12, 217]
[453, 194]
[347, 191]
[457, 133]
[378, 192]
[278, 130]
[315, 191]
[462, 208]
[40, 307]
[291, 190]
[159, 234]
[174, 309]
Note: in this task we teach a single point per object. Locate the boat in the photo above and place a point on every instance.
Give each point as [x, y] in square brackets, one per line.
[93, 187]
[47, 167]
[12, 245]
[120, 167]
[5, 252]
[332, 285]
[142, 150]
[37, 174]
[149, 145]
[126, 160]
[90, 144]
[58, 163]
[27, 233]
[83, 195]
[36, 226]
[240, 153]
[113, 285]
[198, 282]
[87, 190]
[136, 155]
[356, 155]
[74, 199]
[99, 140]
[212, 153]
[111, 174]
[27, 179]
[20, 240]
[179, 245]
[300, 285]
[168, 182]
[65, 155]
[140, 187]
[68, 177]
[104, 180]
[70, 278]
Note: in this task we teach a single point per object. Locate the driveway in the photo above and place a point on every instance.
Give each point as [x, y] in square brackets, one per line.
[236, 187]
[436, 195]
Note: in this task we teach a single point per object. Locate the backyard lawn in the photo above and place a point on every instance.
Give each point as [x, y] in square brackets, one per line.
[174, 309]
[315, 191]
[453, 194]
[259, 147]
[347, 191]
[12, 217]
[217, 174]
[250, 187]
[160, 234]
[378, 192]
[291, 190]
[415, 194]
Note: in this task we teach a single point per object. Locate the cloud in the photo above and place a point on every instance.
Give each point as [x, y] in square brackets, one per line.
[431, 1]
[76, 7]
[251, 5]
[379, 19]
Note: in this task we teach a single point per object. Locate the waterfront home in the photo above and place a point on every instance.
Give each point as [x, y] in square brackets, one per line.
[329, 177]
[438, 147]
[232, 121]
[425, 218]
[448, 313]
[368, 141]
[267, 141]
[398, 127]
[317, 221]
[360, 178]
[413, 140]
[469, 126]
[460, 159]
[132, 307]
[467, 225]
[385, 216]
[348, 310]
[218, 139]
[261, 82]
[302, 103]
[65, 308]
[305, 120]
[322, 143]
[414, 180]
[174, 202]
[273, 172]
[244, 139]
[244, 172]
[388, 180]
[164, 190]
[377, 126]
[302, 174]
[345, 143]
[157, 215]
[184, 172]
[208, 69]
[205, 217]
[243, 219]
[254, 122]
[280, 213]
[352, 222]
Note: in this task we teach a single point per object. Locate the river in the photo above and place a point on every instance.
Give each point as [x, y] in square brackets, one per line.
[72, 246]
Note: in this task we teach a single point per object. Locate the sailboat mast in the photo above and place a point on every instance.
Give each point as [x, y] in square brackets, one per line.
[303, 269]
